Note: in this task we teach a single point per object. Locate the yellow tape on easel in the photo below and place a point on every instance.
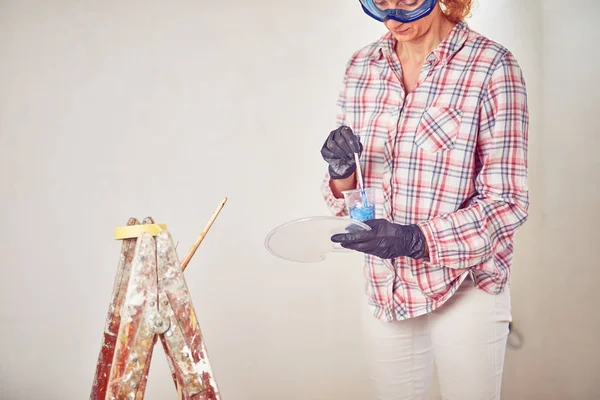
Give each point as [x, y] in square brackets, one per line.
[134, 231]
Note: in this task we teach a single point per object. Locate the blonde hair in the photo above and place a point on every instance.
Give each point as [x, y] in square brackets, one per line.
[456, 10]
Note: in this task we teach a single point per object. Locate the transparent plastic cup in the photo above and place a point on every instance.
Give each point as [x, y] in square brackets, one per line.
[360, 203]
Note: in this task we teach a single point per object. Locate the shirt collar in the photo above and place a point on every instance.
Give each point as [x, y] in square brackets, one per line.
[443, 52]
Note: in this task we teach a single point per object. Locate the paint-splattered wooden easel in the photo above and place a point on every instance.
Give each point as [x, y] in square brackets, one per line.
[151, 299]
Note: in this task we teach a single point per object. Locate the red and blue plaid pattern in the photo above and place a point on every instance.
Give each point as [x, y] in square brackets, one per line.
[451, 156]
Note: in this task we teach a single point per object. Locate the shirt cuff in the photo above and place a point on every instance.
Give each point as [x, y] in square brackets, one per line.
[337, 206]
[432, 248]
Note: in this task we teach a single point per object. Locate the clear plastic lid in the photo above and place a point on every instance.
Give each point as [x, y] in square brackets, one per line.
[309, 239]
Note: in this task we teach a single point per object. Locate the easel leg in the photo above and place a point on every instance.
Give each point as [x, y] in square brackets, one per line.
[113, 320]
[184, 342]
[137, 334]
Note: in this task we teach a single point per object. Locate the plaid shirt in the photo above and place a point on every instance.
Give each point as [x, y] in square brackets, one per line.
[451, 156]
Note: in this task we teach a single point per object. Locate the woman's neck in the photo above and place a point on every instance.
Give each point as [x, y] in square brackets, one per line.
[417, 50]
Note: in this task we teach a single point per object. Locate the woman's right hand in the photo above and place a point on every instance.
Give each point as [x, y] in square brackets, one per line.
[338, 150]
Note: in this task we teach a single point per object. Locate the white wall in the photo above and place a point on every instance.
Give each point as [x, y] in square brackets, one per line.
[116, 109]
[570, 320]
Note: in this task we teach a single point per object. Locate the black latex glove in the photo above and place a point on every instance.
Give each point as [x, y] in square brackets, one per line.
[385, 240]
[338, 150]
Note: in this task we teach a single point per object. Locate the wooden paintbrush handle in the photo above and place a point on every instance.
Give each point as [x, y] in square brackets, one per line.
[200, 238]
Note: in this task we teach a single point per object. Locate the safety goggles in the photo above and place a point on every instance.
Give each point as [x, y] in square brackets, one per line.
[399, 10]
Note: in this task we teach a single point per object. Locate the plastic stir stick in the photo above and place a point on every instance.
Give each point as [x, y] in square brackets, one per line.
[361, 185]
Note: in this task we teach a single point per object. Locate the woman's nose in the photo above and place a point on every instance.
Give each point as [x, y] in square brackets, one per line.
[393, 24]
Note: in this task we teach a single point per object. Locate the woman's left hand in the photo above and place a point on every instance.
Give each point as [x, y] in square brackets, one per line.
[385, 240]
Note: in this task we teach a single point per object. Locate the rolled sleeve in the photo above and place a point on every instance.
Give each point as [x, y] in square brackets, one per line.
[335, 205]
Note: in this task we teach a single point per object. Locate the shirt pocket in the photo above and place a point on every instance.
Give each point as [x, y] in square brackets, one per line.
[438, 128]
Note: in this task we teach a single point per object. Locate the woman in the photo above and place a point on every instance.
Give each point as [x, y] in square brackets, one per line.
[438, 114]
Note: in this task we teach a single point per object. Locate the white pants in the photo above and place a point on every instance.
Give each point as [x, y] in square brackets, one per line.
[466, 338]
